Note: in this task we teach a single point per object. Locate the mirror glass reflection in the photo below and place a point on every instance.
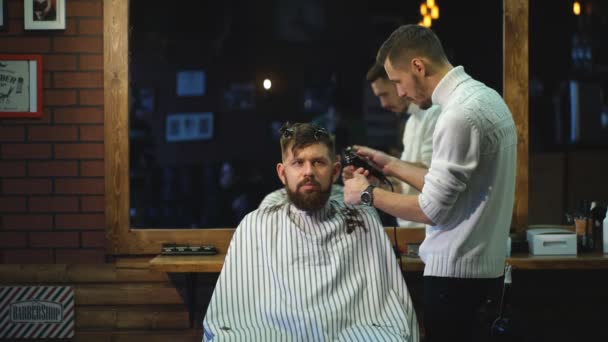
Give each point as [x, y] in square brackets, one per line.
[211, 84]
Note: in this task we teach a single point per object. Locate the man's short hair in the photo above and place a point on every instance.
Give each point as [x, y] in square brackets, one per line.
[300, 135]
[376, 72]
[409, 41]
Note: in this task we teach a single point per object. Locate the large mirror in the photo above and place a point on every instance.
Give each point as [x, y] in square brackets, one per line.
[211, 84]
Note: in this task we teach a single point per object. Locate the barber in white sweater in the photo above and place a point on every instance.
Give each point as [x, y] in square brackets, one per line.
[467, 193]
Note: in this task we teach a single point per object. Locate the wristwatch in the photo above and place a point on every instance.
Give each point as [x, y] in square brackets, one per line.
[367, 196]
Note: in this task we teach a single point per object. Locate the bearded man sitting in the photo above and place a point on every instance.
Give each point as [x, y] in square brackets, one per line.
[310, 268]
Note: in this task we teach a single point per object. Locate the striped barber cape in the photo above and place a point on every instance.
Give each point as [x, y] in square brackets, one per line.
[330, 275]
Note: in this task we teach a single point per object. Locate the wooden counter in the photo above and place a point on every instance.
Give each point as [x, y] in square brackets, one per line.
[188, 263]
[214, 263]
[584, 261]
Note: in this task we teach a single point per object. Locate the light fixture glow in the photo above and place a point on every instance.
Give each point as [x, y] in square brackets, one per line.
[435, 12]
[576, 8]
[427, 22]
[423, 9]
[267, 84]
[430, 3]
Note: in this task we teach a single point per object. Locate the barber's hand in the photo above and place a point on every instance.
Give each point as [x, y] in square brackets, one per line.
[354, 186]
[347, 173]
[377, 158]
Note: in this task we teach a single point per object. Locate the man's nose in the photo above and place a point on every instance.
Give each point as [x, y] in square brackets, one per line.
[308, 169]
[383, 103]
[401, 92]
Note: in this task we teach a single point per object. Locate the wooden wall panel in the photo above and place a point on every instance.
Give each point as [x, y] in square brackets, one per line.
[127, 294]
[563, 305]
[124, 301]
[116, 139]
[61, 273]
[191, 335]
[132, 317]
[515, 69]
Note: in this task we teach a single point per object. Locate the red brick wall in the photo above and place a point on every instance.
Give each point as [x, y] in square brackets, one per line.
[51, 170]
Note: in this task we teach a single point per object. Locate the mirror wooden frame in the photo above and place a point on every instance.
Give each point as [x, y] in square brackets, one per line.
[122, 239]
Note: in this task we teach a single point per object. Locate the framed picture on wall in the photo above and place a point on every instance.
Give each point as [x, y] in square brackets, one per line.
[189, 127]
[3, 15]
[44, 14]
[20, 86]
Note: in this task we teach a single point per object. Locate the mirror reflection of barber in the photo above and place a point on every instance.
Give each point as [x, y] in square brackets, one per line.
[415, 131]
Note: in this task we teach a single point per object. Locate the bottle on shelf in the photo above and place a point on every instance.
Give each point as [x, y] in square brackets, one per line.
[580, 226]
[605, 231]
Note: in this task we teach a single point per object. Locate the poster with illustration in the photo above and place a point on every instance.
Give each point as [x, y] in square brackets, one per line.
[14, 86]
[20, 86]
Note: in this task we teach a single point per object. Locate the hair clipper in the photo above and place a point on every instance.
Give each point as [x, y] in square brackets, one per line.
[350, 157]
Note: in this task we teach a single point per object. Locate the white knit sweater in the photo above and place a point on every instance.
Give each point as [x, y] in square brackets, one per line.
[469, 189]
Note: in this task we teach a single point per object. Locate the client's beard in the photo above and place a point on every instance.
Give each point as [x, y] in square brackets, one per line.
[311, 201]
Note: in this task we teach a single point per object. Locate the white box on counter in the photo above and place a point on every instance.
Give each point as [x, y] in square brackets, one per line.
[551, 241]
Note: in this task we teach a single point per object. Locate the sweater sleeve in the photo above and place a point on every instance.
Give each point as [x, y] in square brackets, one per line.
[455, 157]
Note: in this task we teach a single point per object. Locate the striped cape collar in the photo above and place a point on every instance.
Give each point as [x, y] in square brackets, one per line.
[322, 214]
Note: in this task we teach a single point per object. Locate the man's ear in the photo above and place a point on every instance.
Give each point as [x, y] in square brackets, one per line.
[281, 172]
[418, 66]
[337, 170]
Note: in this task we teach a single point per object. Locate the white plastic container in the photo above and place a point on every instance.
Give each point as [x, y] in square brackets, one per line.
[551, 241]
[605, 233]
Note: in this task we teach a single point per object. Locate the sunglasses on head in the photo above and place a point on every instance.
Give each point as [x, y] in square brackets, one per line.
[288, 130]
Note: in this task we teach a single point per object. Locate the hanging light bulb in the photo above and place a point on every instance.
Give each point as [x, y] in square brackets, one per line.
[435, 12]
[576, 8]
[423, 9]
[430, 3]
[267, 84]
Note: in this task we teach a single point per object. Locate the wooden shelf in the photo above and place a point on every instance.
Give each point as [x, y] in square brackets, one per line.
[584, 261]
[214, 263]
[188, 263]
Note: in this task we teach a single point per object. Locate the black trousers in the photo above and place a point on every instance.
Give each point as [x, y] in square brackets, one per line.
[451, 305]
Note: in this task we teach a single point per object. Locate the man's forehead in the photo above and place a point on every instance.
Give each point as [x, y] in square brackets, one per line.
[391, 69]
[382, 85]
[316, 150]
[388, 65]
